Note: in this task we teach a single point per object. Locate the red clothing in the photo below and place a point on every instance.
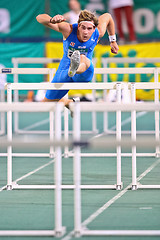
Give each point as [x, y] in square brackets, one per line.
[128, 14]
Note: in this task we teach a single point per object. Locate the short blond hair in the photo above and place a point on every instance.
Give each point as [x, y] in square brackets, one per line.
[86, 15]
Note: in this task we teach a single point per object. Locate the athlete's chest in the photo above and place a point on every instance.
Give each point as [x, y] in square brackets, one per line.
[83, 47]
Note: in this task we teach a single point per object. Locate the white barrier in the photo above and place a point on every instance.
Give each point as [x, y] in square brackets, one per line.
[105, 62]
[59, 230]
[44, 60]
[104, 71]
[154, 71]
[118, 86]
[126, 60]
[17, 71]
[78, 108]
[79, 229]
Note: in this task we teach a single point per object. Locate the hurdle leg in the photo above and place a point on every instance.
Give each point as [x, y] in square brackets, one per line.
[94, 120]
[133, 136]
[118, 137]
[16, 98]
[156, 100]
[2, 99]
[66, 132]
[59, 230]
[51, 132]
[105, 114]
[77, 172]
[9, 137]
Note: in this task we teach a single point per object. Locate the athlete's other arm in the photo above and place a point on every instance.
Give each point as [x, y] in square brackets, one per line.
[106, 23]
[57, 23]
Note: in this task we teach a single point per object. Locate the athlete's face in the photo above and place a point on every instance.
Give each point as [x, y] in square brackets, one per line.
[85, 30]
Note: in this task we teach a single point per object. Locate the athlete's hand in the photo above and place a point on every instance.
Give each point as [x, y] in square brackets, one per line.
[57, 19]
[114, 47]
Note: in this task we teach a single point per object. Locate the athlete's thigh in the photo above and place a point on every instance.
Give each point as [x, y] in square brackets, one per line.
[61, 76]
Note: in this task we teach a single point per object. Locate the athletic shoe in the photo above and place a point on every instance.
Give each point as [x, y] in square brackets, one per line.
[76, 99]
[75, 61]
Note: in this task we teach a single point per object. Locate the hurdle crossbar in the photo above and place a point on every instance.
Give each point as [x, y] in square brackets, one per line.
[66, 86]
[129, 60]
[26, 70]
[96, 71]
[98, 107]
[42, 60]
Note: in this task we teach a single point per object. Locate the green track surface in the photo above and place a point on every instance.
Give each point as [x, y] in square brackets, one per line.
[34, 209]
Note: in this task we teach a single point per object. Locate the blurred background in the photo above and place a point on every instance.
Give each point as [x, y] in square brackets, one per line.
[22, 36]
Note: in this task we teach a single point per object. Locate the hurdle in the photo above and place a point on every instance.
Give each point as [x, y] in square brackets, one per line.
[18, 86]
[59, 230]
[103, 86]
[45, 60]
[16, 62]
[127, 61]
[105, 72]
[79, 229]
[105, 62]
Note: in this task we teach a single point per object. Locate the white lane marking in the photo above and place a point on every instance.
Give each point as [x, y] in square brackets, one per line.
[145, 208]
[139, 114]
[37, 124]
[32, 172]
[127, 120]
[28, 174]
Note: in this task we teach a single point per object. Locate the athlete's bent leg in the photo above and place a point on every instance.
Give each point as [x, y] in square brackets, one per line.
[84, 64]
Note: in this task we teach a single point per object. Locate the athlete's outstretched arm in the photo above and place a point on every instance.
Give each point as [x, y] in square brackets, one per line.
[57, 23]
[106, 23]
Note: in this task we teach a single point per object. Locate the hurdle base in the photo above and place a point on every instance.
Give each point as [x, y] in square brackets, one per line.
[157, 154]
[9, 187]
[119, 186]
[51, 155]
[60, 233]
[66, 155]
[134, 187]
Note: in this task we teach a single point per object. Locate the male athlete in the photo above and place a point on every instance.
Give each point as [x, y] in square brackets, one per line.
[79, 41]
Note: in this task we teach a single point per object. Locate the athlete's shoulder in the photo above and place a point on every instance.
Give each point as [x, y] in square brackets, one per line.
[74, 27]
[96, 34]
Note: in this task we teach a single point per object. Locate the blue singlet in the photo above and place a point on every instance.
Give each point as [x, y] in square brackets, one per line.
[69, 46]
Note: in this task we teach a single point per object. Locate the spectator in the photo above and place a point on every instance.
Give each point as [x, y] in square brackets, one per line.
[73, 15]
[119, 8]
[38, 97]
